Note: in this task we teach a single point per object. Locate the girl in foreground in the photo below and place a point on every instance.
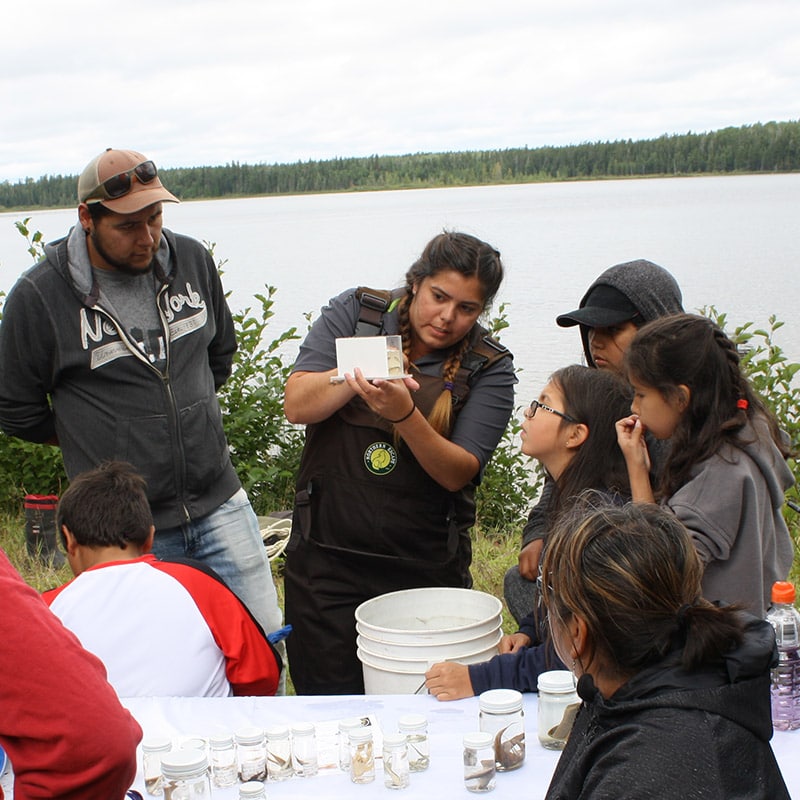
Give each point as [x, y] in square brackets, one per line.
[675, 690]
[726, 474]
[570, 431]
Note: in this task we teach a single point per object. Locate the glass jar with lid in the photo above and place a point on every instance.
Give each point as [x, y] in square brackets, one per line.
[415, 727]
[222, 754]
[479, 762]
[279, 753]
[362, 756]
[557, 694]
[251, 754]
[185, 775]
[153, 748]
[501, 715]
[395, 761]
[345, 726]
[304, 749]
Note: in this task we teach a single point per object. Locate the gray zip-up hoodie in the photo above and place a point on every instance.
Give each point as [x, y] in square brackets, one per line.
[70, 371]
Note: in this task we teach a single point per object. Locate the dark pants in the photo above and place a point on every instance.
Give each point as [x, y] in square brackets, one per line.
[322, 592]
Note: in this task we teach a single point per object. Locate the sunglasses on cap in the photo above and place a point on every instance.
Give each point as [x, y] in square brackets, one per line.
[119, 185]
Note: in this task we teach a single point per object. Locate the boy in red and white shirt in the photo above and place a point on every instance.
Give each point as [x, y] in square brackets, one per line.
[164, 628]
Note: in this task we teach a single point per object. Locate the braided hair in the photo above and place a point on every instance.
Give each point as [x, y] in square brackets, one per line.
[691, 350]
[470, 257]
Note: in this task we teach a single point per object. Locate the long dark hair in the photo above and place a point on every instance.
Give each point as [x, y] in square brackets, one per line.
[633, 575]
[469, 256]
[597, 398]
[691, 350]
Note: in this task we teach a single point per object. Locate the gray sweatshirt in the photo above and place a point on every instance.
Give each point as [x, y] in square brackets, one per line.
[732, 507]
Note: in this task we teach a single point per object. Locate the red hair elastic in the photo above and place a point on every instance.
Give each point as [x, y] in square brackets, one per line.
[742, 403]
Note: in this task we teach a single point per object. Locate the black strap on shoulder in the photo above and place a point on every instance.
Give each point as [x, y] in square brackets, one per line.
[374, 303]
[484, 351]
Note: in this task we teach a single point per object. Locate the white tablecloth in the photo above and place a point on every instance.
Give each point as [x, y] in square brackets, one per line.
[181, 718]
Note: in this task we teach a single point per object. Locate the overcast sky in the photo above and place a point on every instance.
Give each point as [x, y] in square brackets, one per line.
[191, 82]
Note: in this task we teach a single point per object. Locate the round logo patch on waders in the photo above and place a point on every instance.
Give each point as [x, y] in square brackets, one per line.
[380, 458]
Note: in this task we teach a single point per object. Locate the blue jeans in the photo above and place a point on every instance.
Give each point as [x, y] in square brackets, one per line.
[229, 541]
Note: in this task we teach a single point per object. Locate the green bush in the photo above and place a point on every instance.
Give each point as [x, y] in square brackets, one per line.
[265, 447]
[774, 378]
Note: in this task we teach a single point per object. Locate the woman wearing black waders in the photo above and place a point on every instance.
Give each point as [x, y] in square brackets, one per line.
[385, 491]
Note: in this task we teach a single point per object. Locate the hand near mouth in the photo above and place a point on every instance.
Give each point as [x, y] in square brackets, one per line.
[631, 440]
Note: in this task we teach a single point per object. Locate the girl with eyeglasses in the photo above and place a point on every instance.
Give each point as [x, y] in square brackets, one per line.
[570, 431]
[620, 300]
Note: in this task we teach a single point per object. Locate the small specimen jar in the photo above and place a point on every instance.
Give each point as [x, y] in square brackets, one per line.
[304, 749]
[252, 790]
[185, 775]
[501, 715]
[362, 757]
[479, 761]
[222, 754]
[152, 751]
[415, 727]
[556, 693]
[279, 753]
[395, 761]
[345, 726]
[251, 754]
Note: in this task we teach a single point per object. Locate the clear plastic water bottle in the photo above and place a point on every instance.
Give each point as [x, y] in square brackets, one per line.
[785, 687]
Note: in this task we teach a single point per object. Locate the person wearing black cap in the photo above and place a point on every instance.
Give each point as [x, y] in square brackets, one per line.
[615, 306]
[113, 347]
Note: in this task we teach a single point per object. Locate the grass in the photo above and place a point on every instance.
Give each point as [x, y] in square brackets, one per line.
[492, 554]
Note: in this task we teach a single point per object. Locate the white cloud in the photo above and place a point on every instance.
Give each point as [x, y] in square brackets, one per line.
[193, 83]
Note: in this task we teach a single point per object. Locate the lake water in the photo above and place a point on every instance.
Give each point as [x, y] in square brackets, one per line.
[730, 241]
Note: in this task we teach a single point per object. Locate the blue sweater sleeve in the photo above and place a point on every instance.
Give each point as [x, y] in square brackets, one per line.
[518, 670]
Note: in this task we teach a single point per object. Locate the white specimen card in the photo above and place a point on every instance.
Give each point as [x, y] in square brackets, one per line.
[378, 357]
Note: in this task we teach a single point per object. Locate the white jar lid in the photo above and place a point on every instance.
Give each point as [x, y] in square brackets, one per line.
[478, 739]
[394, 740]
[220, 740]
[251, 789]
[157, 744]
[277, 732]
[183, 764]
[303, 729]
[348, 723]
[363, 734]
[559, 681]
[412, 722]
[500, 701]
[251, 735]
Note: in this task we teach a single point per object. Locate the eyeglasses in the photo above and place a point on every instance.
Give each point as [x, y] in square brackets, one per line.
[119, 185]
[530, 413]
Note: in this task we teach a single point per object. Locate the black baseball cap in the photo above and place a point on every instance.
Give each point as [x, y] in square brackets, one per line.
[603, 306]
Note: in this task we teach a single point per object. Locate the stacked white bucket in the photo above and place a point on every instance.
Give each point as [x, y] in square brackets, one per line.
[401, 634]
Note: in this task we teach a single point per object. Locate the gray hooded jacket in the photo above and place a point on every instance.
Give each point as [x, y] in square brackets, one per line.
[650, 288]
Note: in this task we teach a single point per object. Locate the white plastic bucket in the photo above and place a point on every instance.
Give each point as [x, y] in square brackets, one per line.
[430, 651]
[402, 633]
[384, 675]
[433, 614]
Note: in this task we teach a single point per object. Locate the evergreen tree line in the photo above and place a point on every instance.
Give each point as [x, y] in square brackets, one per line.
[768, 147]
